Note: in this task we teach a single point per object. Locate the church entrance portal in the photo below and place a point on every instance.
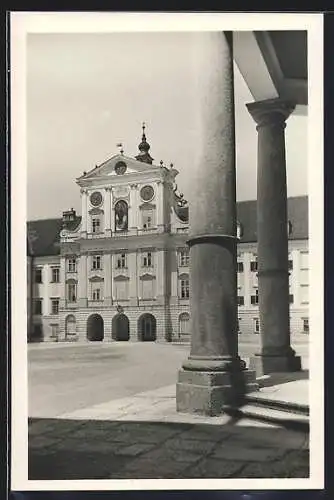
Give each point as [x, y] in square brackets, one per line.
[120, 327]
[147, 328]
[95, 328]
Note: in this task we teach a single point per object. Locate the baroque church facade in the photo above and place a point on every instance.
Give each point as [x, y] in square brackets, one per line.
[120, 271]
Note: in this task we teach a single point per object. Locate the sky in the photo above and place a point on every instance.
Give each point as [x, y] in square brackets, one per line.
[88, 92]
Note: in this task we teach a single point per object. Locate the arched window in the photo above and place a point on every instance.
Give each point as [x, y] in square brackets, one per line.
[121, 216]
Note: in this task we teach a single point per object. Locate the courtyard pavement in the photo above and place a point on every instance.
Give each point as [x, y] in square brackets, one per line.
[136, 433]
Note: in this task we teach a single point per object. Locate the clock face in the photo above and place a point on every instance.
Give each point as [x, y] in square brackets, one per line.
[120, 168]
[96, 198]
[147, 193]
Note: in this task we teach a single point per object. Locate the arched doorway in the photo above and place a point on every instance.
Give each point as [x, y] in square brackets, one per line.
[120, 327]
[147, 328]
[184, 326]
[95, 328]
[70, 327]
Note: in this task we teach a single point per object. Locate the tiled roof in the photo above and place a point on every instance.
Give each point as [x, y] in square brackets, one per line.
[297, 215]
[43, 235]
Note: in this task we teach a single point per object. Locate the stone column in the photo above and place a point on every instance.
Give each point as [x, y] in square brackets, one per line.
[213, 376]
[273, 274]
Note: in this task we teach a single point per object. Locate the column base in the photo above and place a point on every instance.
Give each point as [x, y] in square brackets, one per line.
[208, 393]
[264, 364]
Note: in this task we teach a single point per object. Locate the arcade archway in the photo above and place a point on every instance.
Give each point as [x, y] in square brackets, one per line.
[120, 327]
[147, 328]
[95, 328]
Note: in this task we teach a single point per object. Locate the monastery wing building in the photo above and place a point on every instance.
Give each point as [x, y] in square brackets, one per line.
[120, 271]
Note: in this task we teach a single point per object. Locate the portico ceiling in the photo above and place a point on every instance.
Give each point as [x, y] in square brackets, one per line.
[273, 64]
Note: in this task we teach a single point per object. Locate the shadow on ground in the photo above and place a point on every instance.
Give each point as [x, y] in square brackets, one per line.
[282, 378]
[96, 449]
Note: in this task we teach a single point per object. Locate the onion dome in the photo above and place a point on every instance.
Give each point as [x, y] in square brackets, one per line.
[144, 147]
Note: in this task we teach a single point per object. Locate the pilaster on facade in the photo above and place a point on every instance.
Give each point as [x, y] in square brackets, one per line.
[82, 282]
[107, 267]
[112, 211]
[84, 209]
[160, 220]
[133, 211]
[62, 277]
[107, 215]
[133, 261]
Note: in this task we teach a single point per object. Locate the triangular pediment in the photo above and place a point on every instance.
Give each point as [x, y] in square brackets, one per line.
[109, 168]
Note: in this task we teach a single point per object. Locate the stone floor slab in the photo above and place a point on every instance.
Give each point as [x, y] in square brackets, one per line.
[198, 446]
[228, 451]
[210, 468]
[134, 450]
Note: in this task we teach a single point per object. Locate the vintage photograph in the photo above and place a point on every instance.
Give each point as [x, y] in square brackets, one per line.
[168, 325]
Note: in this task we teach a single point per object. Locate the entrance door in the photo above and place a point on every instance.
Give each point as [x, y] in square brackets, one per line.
[147, 328]
[120, 327]
[95, 328]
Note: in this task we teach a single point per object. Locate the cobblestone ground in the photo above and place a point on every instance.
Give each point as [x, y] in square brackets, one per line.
[64, 449]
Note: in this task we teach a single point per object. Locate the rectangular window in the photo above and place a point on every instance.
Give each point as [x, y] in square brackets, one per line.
[96, 262]
[55, 274]
[121, 290]
[38, 275]
[255, 298]
[54, 331]
[253, 266]
[256, 325]
[184, 257]
[54, 306]
[72, 292]
[38, 306]
[240, 267]
[240, 300]
[147, 259]
[72, 265]
[184, 285]
[97, 294]
[121, 261]
[147, 289]
[147, 219]
[290, 264]
[96, 225]
[291, 298]
[305, 325]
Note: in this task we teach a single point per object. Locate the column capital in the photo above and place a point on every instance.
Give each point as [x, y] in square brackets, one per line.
[270, 111]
